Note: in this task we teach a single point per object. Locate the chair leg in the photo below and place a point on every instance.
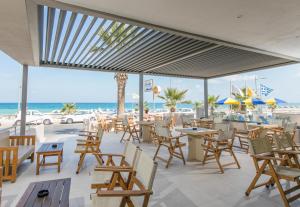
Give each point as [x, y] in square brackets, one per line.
[123, 137]
[182, 156]
[170, 158]
[255, 179]
[205, 156]
[156, 153]
[32, 157]
[278, 184]
[80, 162]
[234, 157]
[217, 155]
[99, 159]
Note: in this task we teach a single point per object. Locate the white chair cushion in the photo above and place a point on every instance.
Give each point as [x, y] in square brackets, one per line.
[105, 201]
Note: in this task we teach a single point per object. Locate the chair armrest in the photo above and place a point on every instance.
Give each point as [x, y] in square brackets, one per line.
[263, 157]
[177, 137]
[114, 169]
[122, 193]
[109, 155]
[21, 140]
[84, 142]
[84, 131]
[287, 151]
[80, 140]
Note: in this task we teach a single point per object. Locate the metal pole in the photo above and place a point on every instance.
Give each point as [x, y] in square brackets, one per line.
[205, 98]
[24, 99]
[141, 96]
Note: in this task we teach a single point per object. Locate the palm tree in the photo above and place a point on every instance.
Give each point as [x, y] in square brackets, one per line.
[197, 104]
[68, 108]
[173, 96]
[212, 103]
[121, 79]
[242, 97]
[111, 38]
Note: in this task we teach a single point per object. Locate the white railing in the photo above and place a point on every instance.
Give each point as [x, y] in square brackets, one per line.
[15, 129]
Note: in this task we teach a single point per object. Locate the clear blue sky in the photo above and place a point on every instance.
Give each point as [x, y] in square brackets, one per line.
[59, 85]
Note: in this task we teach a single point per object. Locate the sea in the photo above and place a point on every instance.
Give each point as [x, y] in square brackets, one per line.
[12, 108]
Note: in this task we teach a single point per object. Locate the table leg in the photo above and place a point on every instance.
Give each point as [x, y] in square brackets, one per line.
[146, 133]
[37, 163]
[58, 161]
[195, 149]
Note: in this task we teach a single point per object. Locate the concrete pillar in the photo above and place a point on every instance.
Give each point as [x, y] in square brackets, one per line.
[205, 98]
[141, 96]
[24, 99]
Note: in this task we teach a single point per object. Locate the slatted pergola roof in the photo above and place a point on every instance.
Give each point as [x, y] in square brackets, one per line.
[70, 39]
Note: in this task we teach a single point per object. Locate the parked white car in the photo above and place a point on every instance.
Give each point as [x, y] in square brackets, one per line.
[78, 116]
[34, 116]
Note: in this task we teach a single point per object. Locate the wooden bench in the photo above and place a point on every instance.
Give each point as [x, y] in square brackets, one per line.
[13, 151]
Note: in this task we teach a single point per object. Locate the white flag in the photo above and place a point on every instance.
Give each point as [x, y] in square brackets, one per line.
[236, 91]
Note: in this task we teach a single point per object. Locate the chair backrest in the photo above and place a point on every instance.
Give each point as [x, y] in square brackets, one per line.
[125, 121]
[145, 169]
[185, 119]
[240, 126]
[290, 127]
[100, 133]
[4, 138]
[169, 120]
[130, 153]
[161, 129]
[218, 119]
[260, 145]
[158, 118]
[225, 131]
[278, 122]
[283, 141]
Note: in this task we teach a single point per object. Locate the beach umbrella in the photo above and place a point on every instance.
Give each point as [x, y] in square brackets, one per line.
[228, 101]
[254, 101]
[276, 101]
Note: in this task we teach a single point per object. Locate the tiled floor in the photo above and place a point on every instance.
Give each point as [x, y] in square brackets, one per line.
[190, 185]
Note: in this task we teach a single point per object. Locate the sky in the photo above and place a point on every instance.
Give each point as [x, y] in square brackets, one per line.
[61, 85]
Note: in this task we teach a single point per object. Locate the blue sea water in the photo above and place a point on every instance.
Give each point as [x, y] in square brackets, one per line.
[12, 108]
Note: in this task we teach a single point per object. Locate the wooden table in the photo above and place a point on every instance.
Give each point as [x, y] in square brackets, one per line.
[265, 126]
[47, 150]
[195, 141]
[204, 121]
[146, 127]
[59, 191]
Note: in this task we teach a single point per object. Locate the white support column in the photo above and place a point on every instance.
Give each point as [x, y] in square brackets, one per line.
[141, 96]
[24, 99]
[205, 98]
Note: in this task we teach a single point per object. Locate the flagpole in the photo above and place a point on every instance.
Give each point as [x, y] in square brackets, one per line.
[230, 94]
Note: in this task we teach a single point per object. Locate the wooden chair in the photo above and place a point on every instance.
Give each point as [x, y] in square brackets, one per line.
[118, 124]
[285, 144]
[1, 174]
[125, 161]
[222, 142]
[14, 150]
[186, 121]
[242, 134]
[172, 143]
[267, 162]
[139, 184]
[132, 129]
[290, 128]
[90, 145]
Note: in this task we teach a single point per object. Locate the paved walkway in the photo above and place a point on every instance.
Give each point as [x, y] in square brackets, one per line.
[190, 186]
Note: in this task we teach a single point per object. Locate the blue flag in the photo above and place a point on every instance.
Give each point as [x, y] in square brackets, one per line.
[264, 90]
